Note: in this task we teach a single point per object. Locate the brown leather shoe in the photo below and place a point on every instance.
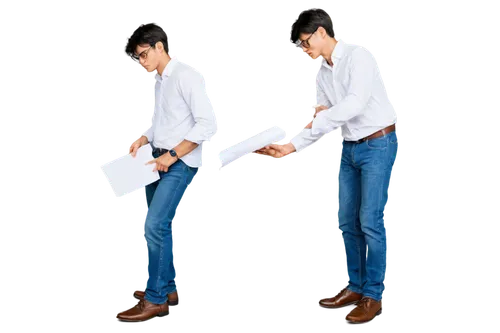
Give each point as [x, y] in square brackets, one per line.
[344, 298]
[365, 311]
[144, 310]
[173, 298]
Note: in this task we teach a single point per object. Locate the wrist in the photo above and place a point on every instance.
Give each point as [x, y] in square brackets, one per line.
[173, 154]
[289, 148]
[144, 140]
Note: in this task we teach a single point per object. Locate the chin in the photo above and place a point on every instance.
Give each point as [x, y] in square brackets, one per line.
[311, 57]
[314, 56]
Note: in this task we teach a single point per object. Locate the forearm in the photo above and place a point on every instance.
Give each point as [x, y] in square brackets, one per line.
[184, 148]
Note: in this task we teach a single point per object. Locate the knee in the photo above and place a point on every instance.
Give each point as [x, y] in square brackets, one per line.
[372, 225]
[152, 231]
[349, 223]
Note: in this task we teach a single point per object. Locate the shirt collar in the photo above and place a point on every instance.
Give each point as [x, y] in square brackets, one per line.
[168, 69]
[338, 50]
[337, 54]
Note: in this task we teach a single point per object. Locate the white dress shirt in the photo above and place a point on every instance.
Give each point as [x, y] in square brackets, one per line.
[354, 93]
[182, 111]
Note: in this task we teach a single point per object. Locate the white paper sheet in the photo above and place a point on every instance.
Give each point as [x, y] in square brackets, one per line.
[258, 141]
[127, 173]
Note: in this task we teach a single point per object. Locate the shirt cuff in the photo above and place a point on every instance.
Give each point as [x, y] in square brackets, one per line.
[304, 139]
[321, 125]
[149, 134]
[199, 134]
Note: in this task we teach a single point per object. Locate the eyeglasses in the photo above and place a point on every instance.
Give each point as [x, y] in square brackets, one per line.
[305, 42]
[143, 55]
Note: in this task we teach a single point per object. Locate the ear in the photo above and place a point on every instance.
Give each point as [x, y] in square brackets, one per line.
[322, 32]
[159, 46]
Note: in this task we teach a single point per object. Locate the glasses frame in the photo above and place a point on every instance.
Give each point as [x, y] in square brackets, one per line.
[143, 55]
[305, 42]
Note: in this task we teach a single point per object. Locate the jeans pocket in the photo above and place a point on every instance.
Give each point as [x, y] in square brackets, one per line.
[378, 143]
[395, 139]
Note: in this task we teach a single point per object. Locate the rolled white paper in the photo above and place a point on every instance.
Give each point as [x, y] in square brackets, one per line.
[250, 144]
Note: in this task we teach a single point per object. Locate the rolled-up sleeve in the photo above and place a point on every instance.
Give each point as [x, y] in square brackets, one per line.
[194, 93]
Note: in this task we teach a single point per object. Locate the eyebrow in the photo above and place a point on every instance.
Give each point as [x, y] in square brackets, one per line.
[138, 55]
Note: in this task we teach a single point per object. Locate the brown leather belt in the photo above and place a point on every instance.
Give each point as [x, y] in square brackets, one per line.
[159, 151]
[378, 134]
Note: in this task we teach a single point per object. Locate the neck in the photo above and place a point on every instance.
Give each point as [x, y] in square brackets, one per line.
[163, 64]
[328, 51]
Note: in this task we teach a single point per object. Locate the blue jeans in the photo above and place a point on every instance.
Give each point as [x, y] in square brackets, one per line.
[364, 176]
[163, 196]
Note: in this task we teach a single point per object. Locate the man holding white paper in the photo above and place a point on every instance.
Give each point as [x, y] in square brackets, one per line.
[183, 118]
[351, 95]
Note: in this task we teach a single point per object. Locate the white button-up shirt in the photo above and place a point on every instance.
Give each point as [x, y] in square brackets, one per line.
[354, 93]
[182, 111]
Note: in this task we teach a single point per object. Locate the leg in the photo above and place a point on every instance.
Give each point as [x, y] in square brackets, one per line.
[349, 201]
[376, 160]
[158, 230]
[150, 191]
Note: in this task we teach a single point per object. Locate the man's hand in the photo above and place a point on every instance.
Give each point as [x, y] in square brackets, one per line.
[163, 162]
[318, 109]
[143, 140]
[313, 115]
[276, 150]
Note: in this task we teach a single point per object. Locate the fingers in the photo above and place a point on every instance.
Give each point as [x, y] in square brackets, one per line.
[160, 167]
[133, 149]
[262, 151]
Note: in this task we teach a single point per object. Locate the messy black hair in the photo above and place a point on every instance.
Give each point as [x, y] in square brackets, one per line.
[309, 21]
[146, 34]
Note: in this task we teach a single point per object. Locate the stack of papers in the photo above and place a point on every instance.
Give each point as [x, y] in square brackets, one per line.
[127, 173]
[252, 144]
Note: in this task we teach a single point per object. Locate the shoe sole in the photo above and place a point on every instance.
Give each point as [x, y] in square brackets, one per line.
[160, 316]
[337, 307]
[169, 303]
[364, 323]
[344, 307]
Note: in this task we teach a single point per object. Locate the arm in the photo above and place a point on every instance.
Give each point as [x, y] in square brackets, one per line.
[185, 147]
[305, 138]
[363, 71]
[149, 134]
[194, 94]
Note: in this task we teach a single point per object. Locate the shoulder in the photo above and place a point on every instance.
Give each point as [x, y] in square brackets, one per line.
[186, 73]
[358, 53]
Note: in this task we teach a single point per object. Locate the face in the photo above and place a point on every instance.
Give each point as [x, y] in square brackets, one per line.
[311, 43]
[148, 56]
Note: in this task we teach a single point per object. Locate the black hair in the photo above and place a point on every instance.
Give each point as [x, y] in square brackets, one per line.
[146, 34]
[309, 21]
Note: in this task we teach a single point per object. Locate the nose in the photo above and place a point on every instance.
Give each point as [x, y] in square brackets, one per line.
[305, 49]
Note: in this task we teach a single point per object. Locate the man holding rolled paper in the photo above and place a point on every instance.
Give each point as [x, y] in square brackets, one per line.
[351, 95]
[183, 118]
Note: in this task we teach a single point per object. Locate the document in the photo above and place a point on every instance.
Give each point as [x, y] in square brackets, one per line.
[127, 173]
[256, 142]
